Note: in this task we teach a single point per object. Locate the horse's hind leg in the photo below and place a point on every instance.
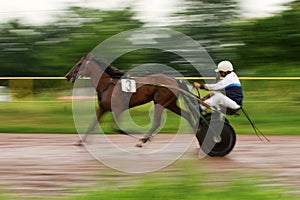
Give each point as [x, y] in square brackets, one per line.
[158, 109]
[174, 108]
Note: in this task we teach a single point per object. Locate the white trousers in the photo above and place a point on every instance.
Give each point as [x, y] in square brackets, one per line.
[219, 99]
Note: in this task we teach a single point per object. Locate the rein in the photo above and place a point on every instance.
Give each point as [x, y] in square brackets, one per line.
[186, 93]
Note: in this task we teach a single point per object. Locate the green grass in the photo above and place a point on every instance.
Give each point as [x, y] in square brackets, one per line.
[273, 118]
[187, 188]
[272, 105]
[36, 117]
[188, 181]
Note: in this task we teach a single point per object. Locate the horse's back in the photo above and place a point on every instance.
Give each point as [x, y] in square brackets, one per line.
[157, 79]
[150, 89]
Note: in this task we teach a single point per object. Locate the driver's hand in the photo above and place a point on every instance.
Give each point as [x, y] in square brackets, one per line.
[197, 85]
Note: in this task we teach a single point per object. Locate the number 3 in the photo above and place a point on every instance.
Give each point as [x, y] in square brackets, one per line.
[128, 85]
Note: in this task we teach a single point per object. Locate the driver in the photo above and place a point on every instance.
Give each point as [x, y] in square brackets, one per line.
[232, 96]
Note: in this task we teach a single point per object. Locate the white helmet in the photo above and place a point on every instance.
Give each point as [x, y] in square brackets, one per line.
[224, 66]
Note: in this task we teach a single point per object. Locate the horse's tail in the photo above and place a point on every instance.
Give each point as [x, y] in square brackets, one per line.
[191, 103]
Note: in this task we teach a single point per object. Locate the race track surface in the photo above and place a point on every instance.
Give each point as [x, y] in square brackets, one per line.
[50, 164]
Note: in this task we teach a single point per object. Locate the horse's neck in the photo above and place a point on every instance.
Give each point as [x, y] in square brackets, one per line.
[100, 79]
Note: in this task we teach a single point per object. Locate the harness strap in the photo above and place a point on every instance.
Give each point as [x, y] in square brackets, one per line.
[256, 130]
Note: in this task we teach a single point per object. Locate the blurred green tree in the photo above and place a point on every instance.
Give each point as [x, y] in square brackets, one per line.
[210, 23]
[259, 47]
[16, 48]
[207, 21]
[271, 45]
[51, 50]
[267, 46]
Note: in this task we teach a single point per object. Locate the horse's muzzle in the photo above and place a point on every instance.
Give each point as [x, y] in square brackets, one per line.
[70, 78]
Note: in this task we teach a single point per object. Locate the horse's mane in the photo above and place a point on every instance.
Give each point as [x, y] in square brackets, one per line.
[110, 70]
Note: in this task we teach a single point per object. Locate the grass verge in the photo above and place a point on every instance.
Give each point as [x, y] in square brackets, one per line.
[273, 106]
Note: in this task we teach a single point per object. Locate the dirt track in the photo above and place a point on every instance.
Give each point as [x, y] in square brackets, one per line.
[39, 164]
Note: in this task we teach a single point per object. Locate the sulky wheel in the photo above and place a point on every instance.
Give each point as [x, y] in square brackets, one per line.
[217, 139]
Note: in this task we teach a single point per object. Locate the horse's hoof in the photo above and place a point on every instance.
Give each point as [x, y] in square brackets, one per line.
[79, 143]
[145, 139]
[139, 145]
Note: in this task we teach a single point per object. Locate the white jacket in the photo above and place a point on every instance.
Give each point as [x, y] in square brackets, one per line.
[229, 80]
[232, 86]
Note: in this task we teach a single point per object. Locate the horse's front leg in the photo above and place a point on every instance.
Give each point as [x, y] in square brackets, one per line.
[95, 122]
[158, 109]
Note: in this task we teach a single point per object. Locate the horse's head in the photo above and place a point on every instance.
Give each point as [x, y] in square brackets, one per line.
[77, 70]
[88, 66]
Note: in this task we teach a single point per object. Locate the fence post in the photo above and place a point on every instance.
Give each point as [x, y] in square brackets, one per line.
[21, 88]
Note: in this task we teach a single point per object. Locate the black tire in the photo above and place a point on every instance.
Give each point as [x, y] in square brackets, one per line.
[216, 146]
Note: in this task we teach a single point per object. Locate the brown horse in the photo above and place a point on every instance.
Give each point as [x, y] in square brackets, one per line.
[106, 80]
